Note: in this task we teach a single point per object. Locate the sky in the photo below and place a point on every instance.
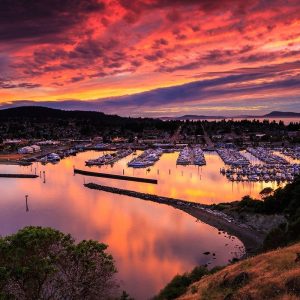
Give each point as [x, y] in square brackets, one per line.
[151, 57]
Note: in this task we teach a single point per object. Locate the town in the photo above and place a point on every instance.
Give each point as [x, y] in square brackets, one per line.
[251, 150]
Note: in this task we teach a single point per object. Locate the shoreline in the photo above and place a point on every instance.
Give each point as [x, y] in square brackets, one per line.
[251, 239]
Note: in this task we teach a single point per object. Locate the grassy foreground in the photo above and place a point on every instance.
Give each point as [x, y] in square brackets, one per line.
[272, 275]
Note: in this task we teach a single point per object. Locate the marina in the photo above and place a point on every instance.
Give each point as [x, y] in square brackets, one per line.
[233, 157]
[266, 156]
[191, 156]
[293, 153]
[110, 158]
[262, 172]
[148, 158]
[269, 168]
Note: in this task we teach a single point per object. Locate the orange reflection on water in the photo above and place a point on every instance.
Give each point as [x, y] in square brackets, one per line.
[150, 242]
[199, 184]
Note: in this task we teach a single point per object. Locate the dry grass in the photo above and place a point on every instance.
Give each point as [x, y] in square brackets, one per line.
[273, 275]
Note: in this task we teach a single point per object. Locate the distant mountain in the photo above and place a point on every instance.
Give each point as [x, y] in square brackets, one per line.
[192, 117]
[282, 114]
[273, 114]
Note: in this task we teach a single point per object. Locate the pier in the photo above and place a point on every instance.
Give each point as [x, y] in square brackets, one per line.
[113, 176]
[18, 176]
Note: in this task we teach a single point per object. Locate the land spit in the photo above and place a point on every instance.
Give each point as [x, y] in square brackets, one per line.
[251, 238]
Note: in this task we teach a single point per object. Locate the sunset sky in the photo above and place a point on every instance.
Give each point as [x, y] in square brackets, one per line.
[151, 57]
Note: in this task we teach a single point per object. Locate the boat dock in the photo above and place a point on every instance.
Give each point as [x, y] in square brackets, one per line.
[113, 176]
[273, 168]
[267, 156]
[108, 159]
[148, 158]
[233, 157]
[18, 176]
[191, 156]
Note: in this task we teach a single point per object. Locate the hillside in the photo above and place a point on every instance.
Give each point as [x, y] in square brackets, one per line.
[272, 275]
[43, 122]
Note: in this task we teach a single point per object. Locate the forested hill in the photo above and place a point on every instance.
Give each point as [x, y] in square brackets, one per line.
[36, 121]
[43, 113]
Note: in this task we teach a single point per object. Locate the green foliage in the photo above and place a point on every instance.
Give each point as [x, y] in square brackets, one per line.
[180, 283]
[267, 191]
[276, 238]
[43, 263]
[284, 200]
[281, 201]
[251, 205]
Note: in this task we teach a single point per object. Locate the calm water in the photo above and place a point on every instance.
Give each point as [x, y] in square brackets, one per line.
[150, 242]
[286, 121]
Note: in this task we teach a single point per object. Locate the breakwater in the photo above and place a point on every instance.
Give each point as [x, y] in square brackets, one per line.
[144, 196]
[18, 176]
[113, 176]
[251, 238]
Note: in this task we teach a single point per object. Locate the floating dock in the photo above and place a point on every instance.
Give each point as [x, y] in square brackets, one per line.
[18, 176]
[113, 176]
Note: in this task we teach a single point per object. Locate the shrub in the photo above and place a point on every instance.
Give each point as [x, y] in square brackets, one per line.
[43, 263]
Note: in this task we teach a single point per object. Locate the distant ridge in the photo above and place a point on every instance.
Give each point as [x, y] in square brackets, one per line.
[42, 113]
[39, 111]
[193, 117]
[273, 114]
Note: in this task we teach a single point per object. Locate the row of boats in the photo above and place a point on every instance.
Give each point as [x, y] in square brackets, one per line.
[267, 156]
[108, 159]
[233, 157]
[262, 172]
[148, 158]
[55, 157]
[50, 158]
[293, 153]
[191, 156]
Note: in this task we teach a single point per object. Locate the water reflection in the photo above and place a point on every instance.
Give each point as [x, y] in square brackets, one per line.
[150, 242]
[199, 184]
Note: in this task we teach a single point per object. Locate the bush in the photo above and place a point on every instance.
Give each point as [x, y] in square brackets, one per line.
[180, 283]
[275, 238]
[43, 263]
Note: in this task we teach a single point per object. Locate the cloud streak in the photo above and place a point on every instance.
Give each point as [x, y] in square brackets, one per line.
[149, 54]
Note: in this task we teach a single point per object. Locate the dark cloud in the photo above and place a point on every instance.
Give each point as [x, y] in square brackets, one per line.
[21, 19]
[10, 85]
[77, 78]
[155, 56]
[160, 42]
